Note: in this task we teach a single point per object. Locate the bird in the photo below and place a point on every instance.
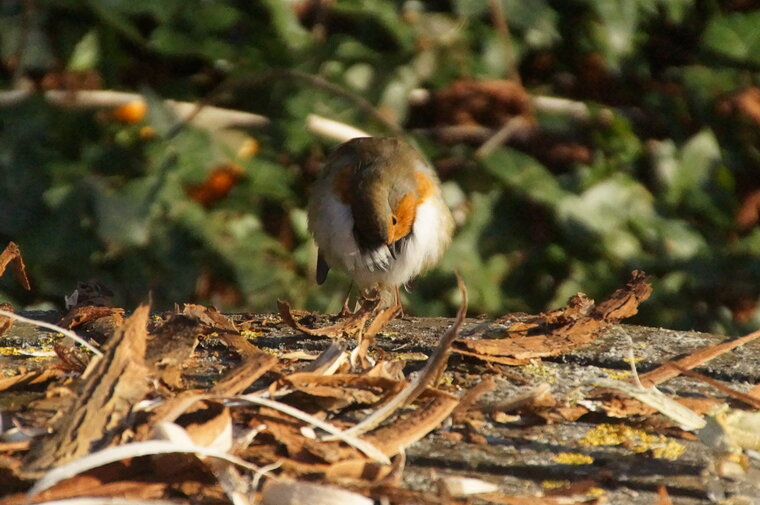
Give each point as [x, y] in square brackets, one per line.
[377, 213]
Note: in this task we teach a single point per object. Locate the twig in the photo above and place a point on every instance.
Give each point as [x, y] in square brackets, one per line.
[117, 453]
[263, 471]
[738, 395]
[632, 360]
[428, 375]
[53, 327]
[360, 102]
[333, 129]
[520, 399]
[208, 116]
[513, 126]
[315, 81]
[471, 396]
[695, 359]
[686, 418]
[105, 500]
[555, 105]
[365, 447]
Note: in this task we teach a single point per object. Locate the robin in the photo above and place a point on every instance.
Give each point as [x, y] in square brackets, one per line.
[377, 213]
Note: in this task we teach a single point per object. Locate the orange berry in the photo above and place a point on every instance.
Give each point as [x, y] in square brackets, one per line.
[131, 112]
[248, 148]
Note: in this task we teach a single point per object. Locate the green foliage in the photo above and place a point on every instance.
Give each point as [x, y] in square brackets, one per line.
[659, 175]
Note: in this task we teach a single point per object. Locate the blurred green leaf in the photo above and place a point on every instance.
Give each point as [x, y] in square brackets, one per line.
[283, 19]
[601, 216]
[688, 177]
[86, 53]
[735, 36]
[123, 216]
[536, 20]
[215, 16]
[113, 14]
[525, 175]
[483, 274]
[173, 42]
[616, 28]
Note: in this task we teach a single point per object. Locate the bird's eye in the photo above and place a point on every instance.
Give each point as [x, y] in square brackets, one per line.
[394, 220]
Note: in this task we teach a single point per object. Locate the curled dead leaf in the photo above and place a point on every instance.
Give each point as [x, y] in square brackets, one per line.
[283, 492]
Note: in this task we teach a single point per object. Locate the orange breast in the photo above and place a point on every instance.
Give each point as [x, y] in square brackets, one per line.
[400, 222]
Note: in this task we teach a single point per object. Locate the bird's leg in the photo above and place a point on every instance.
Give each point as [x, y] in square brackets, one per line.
[346, 311]
[398, 303]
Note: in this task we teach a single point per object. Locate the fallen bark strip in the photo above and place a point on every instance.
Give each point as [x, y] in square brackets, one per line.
[556, 332]
[110, 387]
[728, 391]
[699, 357]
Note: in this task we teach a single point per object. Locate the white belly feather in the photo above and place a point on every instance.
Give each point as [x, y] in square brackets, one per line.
[334, 234]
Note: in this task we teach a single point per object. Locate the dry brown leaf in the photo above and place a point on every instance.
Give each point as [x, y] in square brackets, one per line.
[12, 253]
[754, 392]
[7, 447]
[560, 331]
[619, 405]
[210, 317]
[287, 431]
[502, 499]
[268, 453]
[6, 323]
[87, 486]
[73, 359]
[403, 496]
[429, 375]
[367, 339]
[625, 301]
[282, 492]
[29, 377]
[570, 413]
[237, 379]
[346, 326]
[206, 422]
[357, 470]
[327, 362]
[393, 370]
[663, 498]
[350, 388]
[84, 314]
[106, 393]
